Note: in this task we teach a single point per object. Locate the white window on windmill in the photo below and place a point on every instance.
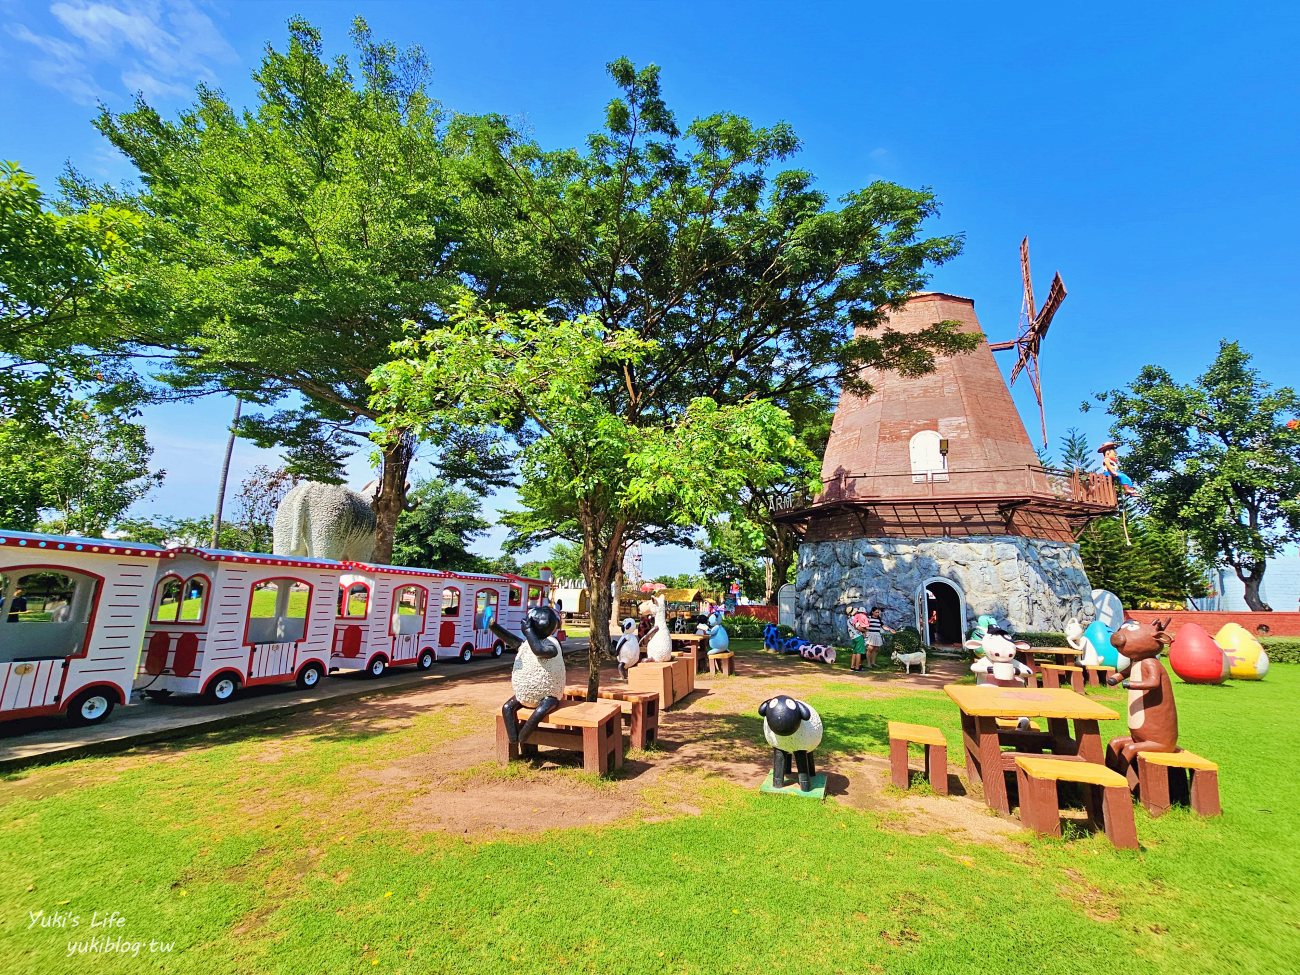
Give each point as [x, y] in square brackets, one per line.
[929, 455]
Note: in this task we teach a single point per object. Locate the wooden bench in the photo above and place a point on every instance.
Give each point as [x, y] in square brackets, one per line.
[1052, 674]
[594, 728]
[683, 676]
[723, 663]
[936, 754]
[1163, 773]
[1098, 674]
[640, 710]
[1040, 807]
[656, 678]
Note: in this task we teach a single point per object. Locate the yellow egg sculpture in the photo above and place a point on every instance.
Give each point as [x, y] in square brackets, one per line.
[1246, 658]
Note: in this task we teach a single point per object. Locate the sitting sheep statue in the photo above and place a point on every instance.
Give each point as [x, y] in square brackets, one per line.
[628, 648]
[909, 660]
[792, 728]
[538, 676]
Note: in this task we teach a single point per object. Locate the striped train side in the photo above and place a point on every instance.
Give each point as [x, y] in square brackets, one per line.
[186, 620]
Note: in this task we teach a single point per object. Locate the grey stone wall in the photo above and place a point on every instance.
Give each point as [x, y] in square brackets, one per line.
[1027, 583]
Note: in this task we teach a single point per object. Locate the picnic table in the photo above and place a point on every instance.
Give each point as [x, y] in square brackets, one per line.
[981, 706]
[693, 645]
[1058, 654]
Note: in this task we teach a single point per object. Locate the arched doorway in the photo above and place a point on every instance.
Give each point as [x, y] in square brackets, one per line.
[941, 612]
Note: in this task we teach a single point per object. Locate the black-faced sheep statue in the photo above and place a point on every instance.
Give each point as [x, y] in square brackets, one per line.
[792, 728]
[538, 675]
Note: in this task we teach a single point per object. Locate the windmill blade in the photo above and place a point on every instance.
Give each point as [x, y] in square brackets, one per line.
[1029, 284]
[1055, 295]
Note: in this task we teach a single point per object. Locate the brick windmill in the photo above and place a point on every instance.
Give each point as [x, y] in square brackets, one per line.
[1033, 329]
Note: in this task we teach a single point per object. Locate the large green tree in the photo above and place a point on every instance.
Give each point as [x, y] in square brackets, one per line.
[438, 530]
[1215, 458]
[725, 287]
[288, 243]
[77, 474]
[582, 463]
[60, 299]
[1147, 565]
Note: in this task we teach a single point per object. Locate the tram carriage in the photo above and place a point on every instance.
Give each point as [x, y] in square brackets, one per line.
[221, 620]
[82, 620]
[393, 616]
[71, 622]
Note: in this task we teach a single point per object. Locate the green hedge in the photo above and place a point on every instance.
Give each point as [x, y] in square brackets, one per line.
[1282, 649]
[744, 626]
[1043, 639]
[906, 639]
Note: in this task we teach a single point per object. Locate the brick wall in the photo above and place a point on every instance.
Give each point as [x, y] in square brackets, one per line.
[765, 613]
[1279, 624]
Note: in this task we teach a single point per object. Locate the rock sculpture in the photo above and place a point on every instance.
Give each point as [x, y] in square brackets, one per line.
[538, 676]
[326, 521]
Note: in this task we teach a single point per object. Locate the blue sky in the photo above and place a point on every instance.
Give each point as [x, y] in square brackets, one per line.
[1149, 151]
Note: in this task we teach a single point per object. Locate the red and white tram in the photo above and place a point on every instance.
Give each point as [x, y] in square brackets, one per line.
[391, 616]
[76, 614]
[71, 622]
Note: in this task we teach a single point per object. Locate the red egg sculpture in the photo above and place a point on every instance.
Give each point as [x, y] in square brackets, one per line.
[1196, 658]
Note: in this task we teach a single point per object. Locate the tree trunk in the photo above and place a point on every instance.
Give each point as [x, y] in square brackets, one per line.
[780, 553]
[391, 501]
[1252, 577]
[225, 473]
[599, 563]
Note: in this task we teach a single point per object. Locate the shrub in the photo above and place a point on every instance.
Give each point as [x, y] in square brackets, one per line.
[906, 639]
[1043, 639]
[744, 626]
[1282, 649]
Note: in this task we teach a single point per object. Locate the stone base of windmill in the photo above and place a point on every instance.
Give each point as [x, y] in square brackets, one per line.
[818, 790]
[1031, 583]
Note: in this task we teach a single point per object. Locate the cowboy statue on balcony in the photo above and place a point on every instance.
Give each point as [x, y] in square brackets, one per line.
[1110, 461]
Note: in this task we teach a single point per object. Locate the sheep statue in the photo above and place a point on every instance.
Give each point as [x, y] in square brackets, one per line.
[326, 521]
[792, 728]
[628, 649]
[538, 676]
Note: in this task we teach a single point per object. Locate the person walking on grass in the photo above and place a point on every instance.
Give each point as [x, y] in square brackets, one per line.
[875, 637]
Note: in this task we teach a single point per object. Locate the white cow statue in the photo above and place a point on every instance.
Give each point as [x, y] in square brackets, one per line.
[1075, 638]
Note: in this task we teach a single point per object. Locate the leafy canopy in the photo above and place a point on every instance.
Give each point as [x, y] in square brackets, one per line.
[1215, 458]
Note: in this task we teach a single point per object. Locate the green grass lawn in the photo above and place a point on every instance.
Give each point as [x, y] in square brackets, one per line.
[253, 854]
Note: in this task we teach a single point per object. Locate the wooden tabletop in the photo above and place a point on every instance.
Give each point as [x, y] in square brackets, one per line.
[578, 714]
[607, 693]
[689, 637]
[1057, 651]
[987, 701]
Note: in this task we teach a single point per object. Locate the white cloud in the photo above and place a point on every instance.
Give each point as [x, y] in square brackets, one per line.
[160, 48]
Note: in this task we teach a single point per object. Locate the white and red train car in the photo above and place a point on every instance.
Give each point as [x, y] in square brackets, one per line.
[392, 616]
[210, 621]
[77, 654]
[220, 620]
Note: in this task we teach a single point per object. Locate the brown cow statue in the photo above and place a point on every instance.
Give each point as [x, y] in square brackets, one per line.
[1152, 715]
